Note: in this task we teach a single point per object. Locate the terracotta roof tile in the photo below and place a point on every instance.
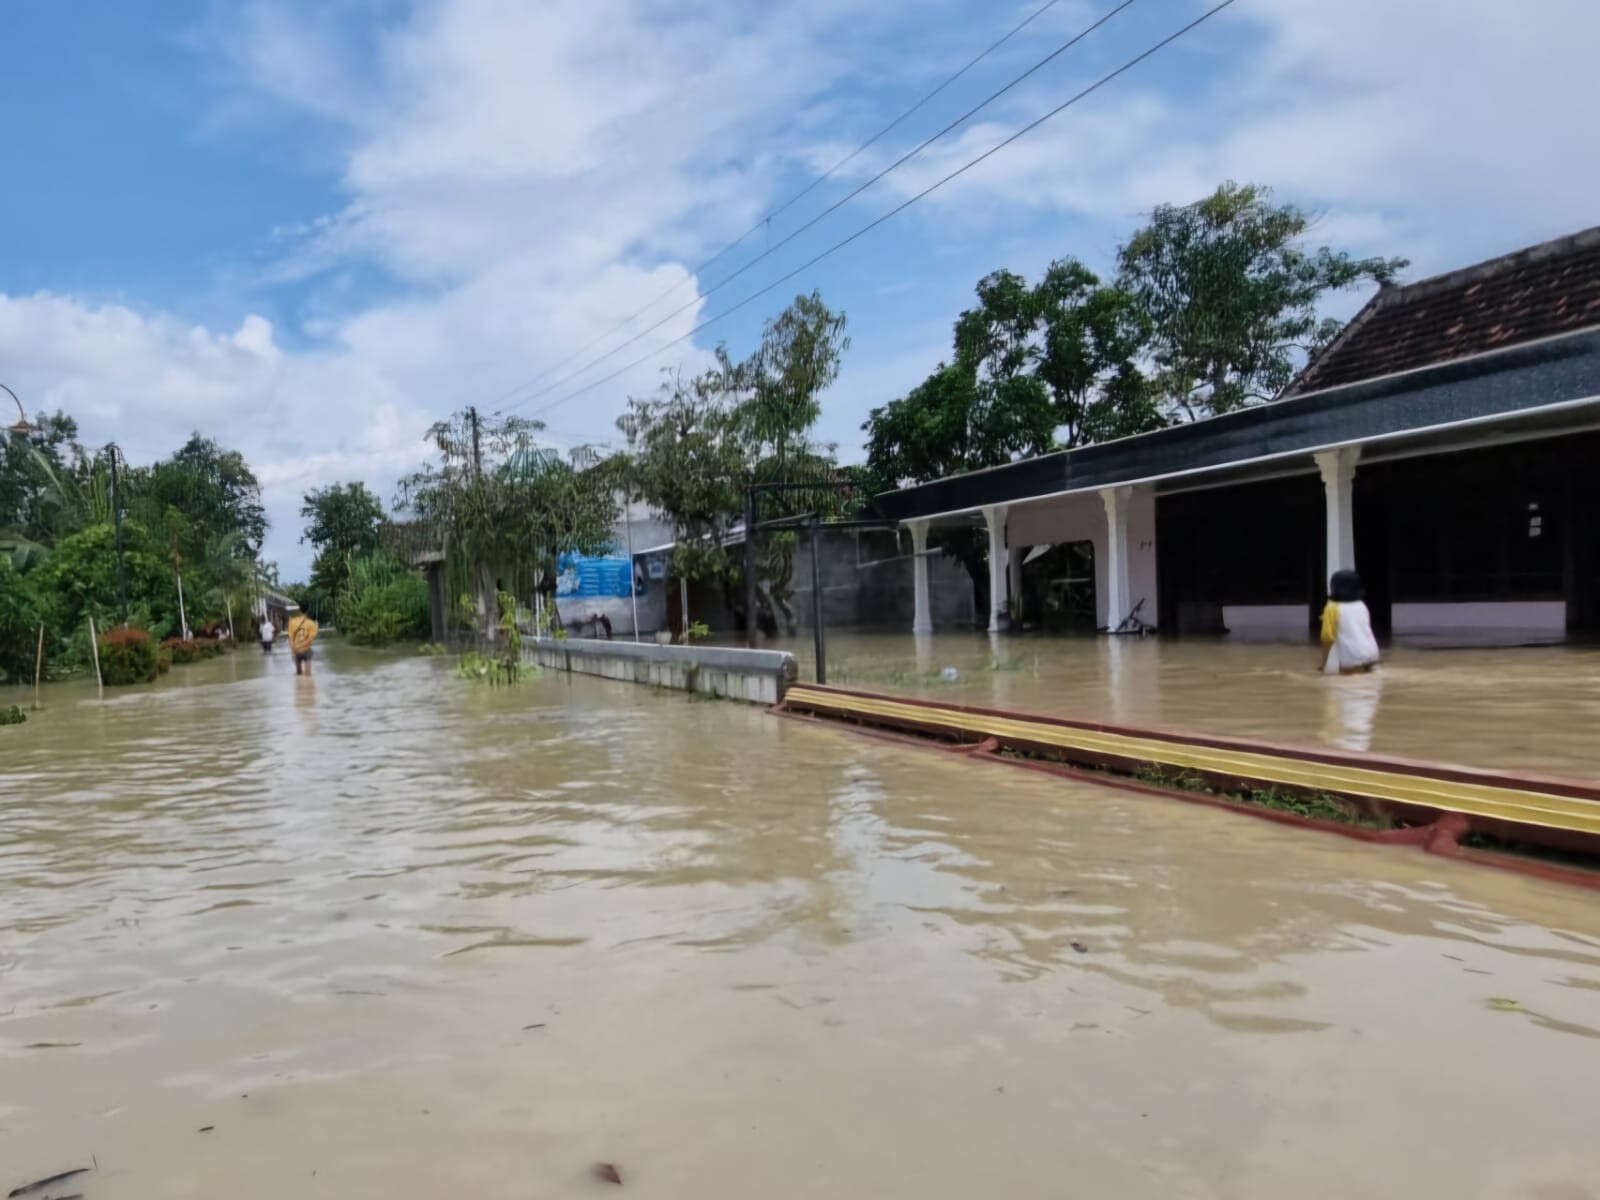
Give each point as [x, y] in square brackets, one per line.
[1539, 292]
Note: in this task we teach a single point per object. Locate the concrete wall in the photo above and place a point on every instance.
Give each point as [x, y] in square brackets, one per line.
[1082, 518]
[758, 676]
[1268, 622]
[867, 581]
[1542, 617]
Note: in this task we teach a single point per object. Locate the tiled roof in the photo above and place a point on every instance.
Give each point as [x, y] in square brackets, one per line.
[1548, 289]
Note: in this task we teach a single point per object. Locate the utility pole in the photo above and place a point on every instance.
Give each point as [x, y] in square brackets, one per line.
[477, 450]
[816, 600]
[116, 519]
[750, 566]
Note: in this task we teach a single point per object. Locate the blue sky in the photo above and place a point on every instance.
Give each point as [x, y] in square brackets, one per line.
[309, 229]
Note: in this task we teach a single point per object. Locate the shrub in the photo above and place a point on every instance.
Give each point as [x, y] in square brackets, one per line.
[12, 715]
[163, 661]
[128, 656]
[383, 601]
[188, 650]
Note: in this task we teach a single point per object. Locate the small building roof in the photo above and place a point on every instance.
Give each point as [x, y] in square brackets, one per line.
[1537, 292]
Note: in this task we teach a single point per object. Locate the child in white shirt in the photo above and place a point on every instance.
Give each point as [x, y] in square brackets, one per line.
[1347, 642]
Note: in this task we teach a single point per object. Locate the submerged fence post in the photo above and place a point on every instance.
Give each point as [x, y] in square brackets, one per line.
[816, 603]
[38, 659]
[94, 645]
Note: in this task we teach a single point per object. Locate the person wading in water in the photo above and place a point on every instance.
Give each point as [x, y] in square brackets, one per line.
[302, 632]
[1347, 642]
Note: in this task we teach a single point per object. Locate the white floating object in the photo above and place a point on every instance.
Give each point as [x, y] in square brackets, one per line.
[950, 674]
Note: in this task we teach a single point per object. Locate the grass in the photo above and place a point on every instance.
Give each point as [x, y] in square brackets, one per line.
[1316, 806]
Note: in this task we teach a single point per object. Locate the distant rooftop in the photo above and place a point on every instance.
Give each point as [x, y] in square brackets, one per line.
[1544, 290]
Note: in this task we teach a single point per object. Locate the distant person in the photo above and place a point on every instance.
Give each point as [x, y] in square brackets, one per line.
[1348, 646]
[268, 635]
[302, 632]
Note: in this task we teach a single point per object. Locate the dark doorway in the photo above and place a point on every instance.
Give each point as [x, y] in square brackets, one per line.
[1058, 589]
[1255, 544]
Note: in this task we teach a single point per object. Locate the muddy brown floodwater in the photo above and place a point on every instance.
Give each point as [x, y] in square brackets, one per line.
[1529, 707]
[381, 933]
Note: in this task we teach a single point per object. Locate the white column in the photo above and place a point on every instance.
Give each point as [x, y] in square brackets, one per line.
[1338, 469]
[995, 518]
[1116, 500]
[1014, 573]
[922, 621]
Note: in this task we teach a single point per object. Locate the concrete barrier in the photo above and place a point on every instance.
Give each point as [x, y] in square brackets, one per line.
[759, 676]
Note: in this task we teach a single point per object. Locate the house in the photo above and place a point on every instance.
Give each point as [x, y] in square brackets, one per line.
[1445, 445]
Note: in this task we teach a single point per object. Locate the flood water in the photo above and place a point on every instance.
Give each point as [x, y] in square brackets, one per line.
[1521, 708]
[381, 933]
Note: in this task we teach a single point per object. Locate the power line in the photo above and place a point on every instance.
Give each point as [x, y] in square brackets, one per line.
[800, 195]
[899, 208]
[832, 208]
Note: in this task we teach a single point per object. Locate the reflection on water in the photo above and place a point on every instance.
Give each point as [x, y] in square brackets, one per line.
[389, 934]
[1533, 708]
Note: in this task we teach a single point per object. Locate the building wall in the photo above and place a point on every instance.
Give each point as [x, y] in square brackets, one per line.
[1540, 617]
[1082, 518]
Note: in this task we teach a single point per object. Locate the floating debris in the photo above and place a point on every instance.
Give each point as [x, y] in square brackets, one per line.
[1504, 1004]
[607, 1172]
[1080, 947]
[38, 1185]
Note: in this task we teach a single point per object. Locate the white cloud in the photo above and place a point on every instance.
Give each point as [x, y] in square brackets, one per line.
[528, 173]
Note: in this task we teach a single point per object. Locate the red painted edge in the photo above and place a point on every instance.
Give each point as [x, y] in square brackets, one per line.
[1529, 781]
[1438, 838]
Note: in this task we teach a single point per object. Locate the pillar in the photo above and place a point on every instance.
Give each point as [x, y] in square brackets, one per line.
[1014, 557]
[922, 621]
[1118, 591]
[1338, 470]
[995, 518]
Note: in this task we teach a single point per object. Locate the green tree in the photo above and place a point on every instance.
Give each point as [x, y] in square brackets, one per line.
[695, 448]
[37, 470]
[343, 521]
[1231, 296]
[383, 600]
[502, 508]
[687, 460]
[1035, 367]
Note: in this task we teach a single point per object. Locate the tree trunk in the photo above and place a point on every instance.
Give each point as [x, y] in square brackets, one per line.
[782, 622]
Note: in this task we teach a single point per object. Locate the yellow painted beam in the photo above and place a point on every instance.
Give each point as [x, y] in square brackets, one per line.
[1529, 807]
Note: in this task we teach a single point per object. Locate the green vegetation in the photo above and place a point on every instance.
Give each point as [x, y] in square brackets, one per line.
[382, 601]
[190, 534]
[343, 521]
[128, 656]
[1317, 806]
[501, 509]
[695, 448]
[1213, 307]
[12, 714]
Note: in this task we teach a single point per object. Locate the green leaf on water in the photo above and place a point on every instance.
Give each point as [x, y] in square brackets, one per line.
[1502, 1004]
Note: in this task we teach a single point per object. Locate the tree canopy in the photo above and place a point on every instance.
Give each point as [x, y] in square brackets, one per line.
[501, 507]
[344, 521]
[1231, 297]
[695, 447]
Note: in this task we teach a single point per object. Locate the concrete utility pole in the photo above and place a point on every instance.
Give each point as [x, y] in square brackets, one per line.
[749, 567]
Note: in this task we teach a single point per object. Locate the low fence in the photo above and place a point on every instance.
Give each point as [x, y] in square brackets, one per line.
[759, 676]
